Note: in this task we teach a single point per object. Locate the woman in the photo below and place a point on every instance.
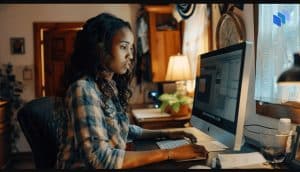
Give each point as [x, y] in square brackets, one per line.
[97, 98]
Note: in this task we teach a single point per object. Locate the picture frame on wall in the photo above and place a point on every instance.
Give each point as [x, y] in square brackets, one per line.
[17, 45]
[27, 73]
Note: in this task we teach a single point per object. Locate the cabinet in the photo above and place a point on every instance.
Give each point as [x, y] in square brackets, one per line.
[4, 135]
[165, 38]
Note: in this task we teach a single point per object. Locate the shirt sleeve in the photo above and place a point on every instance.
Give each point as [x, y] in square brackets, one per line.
[90, 130]
[134, 131]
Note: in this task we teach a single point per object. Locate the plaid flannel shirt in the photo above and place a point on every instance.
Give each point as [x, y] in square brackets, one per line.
[97, 131]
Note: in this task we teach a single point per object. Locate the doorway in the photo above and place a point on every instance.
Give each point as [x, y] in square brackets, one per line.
[53, 45]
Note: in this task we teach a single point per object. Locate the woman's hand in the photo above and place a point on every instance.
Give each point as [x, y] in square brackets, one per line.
[180, 135]
[188, 152]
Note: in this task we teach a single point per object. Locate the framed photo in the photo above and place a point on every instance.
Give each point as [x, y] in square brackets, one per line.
[27, 73]
[17, 45]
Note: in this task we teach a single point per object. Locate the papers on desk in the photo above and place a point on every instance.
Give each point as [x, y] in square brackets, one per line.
[242, 160]
[149, 113]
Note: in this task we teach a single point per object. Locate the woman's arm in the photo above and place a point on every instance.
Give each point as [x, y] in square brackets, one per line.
[135, 159]
[138, 158]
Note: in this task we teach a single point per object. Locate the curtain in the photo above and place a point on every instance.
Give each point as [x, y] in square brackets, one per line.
[278, 39]
[195, 39]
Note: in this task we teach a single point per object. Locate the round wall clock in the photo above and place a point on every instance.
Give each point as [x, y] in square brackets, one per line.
[230, 30]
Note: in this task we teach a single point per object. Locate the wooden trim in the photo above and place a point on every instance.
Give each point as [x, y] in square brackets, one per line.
[37, 27]
[3, 116]
[210, 29]
[181, 29]
[152, 33]
[37, 59]
[159, 8]
[255, 17]
[288, 110]
[5, 128]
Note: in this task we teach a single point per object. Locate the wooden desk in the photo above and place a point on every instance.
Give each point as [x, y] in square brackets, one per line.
[160, 123]
[143, 145]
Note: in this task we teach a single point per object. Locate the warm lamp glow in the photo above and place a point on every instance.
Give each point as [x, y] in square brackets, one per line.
[179, 71]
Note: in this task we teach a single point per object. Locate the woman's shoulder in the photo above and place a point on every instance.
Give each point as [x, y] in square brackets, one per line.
[84, 82]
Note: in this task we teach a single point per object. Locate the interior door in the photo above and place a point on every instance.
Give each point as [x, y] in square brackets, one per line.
[58, 49]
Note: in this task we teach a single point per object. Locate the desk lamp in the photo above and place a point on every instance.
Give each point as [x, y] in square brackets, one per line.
[179, 71]
[292, 75]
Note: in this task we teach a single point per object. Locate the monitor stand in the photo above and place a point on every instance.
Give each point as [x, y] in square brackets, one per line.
[217, 133]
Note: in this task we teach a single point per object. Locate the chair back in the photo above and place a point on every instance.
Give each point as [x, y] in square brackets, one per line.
[41, 120]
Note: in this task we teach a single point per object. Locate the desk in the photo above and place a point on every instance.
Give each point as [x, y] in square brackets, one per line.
[143, 145]
[160, 123]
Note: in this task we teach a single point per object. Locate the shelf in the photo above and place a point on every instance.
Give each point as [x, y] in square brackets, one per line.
[164, 31]
[159, 8]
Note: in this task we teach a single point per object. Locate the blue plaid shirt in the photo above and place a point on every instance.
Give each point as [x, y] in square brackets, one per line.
[97, 131]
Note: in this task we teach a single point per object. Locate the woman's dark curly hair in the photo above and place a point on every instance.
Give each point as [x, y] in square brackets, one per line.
[92, 53]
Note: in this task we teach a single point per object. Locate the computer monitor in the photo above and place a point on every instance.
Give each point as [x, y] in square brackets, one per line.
[221, 93]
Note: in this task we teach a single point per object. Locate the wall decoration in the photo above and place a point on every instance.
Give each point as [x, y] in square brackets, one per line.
[17, 45]
[230, 29]
[27, 73]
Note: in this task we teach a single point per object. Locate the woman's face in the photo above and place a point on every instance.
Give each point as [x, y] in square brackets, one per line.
[122, 51]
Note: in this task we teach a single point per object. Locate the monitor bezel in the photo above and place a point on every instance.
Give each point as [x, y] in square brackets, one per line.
[224, 123]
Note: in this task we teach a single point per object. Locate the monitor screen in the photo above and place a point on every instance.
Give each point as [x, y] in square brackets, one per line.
[218, 86]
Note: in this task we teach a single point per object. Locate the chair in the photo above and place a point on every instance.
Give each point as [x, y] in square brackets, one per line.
[42, 122]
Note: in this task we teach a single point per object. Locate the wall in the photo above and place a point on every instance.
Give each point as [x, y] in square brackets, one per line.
[17, 21]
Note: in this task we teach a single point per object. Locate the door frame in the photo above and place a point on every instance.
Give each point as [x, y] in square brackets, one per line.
[38, 29]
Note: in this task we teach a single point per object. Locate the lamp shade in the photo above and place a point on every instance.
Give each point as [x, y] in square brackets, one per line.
[178, 68]
[292, 75]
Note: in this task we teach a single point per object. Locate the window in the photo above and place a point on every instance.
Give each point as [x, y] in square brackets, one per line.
[278, 39]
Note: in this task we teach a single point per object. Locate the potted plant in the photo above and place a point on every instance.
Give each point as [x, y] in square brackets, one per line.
[175, 104]
[10, 91]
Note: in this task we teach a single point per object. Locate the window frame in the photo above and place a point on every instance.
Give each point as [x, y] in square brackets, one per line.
[288, 109]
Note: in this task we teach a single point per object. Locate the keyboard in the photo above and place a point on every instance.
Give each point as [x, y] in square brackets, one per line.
[170, 144]
[207, 141]
[210, 145]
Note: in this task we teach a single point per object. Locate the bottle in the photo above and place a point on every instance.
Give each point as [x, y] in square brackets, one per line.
[284, 126]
